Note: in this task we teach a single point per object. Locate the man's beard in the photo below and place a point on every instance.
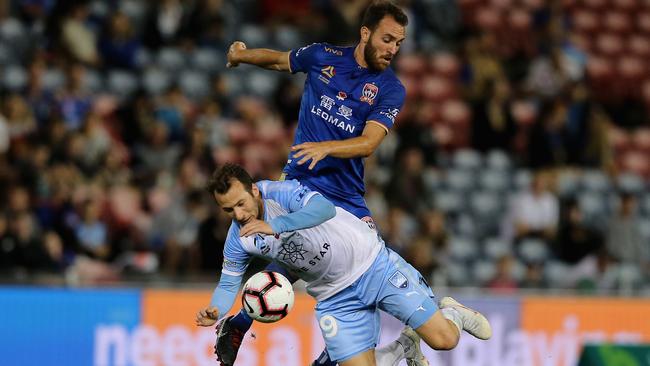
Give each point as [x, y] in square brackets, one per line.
[370, 56]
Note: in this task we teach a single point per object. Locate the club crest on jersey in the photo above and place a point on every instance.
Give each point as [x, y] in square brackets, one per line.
[341, 96]
[399, 280]
[369, 93]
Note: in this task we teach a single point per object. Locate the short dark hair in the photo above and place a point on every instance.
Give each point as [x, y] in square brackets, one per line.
[222, 178]
[378, 10]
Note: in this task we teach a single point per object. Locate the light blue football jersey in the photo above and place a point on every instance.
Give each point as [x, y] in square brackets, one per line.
[329, 256]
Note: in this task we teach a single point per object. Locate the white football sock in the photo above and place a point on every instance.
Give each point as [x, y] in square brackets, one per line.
[389, 355]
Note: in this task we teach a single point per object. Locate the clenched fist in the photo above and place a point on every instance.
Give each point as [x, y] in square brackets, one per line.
[233, 53]
[207, 317]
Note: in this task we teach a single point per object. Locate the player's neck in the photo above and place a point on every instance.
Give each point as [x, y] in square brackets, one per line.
[358, 56]
[260, 206]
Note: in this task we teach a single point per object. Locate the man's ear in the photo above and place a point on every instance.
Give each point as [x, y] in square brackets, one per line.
[255, 191]
[365, 34]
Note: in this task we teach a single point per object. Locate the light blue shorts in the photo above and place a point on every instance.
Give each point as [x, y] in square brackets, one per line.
[349, 320]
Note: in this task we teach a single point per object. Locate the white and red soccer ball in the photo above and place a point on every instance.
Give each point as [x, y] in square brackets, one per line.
[267, 297]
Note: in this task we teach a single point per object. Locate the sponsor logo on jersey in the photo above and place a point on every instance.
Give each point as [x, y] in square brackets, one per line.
[334, 51]
[341, 96]
[369, 93]
[260, 243]
[328, 71]
[390, 114]
[327, 117]
[227, 263]
[292, 248]
[399, 280]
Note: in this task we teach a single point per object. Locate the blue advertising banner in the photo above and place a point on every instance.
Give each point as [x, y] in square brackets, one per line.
[57, 326]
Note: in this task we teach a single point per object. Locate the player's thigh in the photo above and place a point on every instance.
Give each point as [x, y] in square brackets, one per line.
[366, 358]
[349, 327]
[405, 294]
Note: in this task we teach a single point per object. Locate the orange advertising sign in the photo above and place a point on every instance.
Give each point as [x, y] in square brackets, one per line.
[558, 327]
[171, 337]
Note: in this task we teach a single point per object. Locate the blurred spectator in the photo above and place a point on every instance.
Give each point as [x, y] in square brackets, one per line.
[625, 242]
[287, 100]
[166, 22]
[74, 101]
[337, 21]
[417, 133]
[399, 229]
[575, 240]
[493, 126]
[118, 45]
[211, 23]
[547, 75]
[547, 145]
[211, 238]
[182, 220]
[483, 65]
[9, 251]
[172, 109]
[20, 118]
[92, 232]
[503, 281]
[407, 189]
[428, 252]
[535, 212]
[156, 153]
[78, 38]
[32, 251]
[215, 127]
[40, 100]
[5, 137]
[534, 277]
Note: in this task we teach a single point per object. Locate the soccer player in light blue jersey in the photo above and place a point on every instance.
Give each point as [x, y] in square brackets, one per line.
[354, 276]
[350, 101]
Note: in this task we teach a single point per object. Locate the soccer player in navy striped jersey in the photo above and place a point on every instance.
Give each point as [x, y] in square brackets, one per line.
[350, 101]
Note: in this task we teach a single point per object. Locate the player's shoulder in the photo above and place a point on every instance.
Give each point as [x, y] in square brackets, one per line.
[326, 50]
[390, 79]
[233, 231]
[331, 49]
[269, 187]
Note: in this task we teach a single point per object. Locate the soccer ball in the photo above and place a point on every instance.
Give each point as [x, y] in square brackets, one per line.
[267, 297]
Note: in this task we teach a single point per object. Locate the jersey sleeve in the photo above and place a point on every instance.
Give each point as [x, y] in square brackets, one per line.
[388, 106]
[235, 257]
[301, 59]
[290, 194]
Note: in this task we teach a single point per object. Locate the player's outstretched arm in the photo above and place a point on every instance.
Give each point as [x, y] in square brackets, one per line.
[315, 212]
[262, 57]
[355, 147]
[222, 300]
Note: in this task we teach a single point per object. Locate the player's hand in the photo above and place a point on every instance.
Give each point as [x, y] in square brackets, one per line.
[256, 226]
[314, 151]
[207, 317]
[233, 53]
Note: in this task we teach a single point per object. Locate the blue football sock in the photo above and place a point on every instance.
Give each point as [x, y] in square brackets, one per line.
[324, 360]
[242, 321]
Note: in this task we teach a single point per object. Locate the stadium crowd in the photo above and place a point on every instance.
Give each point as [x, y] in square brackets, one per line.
[520, 159]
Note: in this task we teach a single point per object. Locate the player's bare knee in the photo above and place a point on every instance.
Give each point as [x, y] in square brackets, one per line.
[441, 339]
